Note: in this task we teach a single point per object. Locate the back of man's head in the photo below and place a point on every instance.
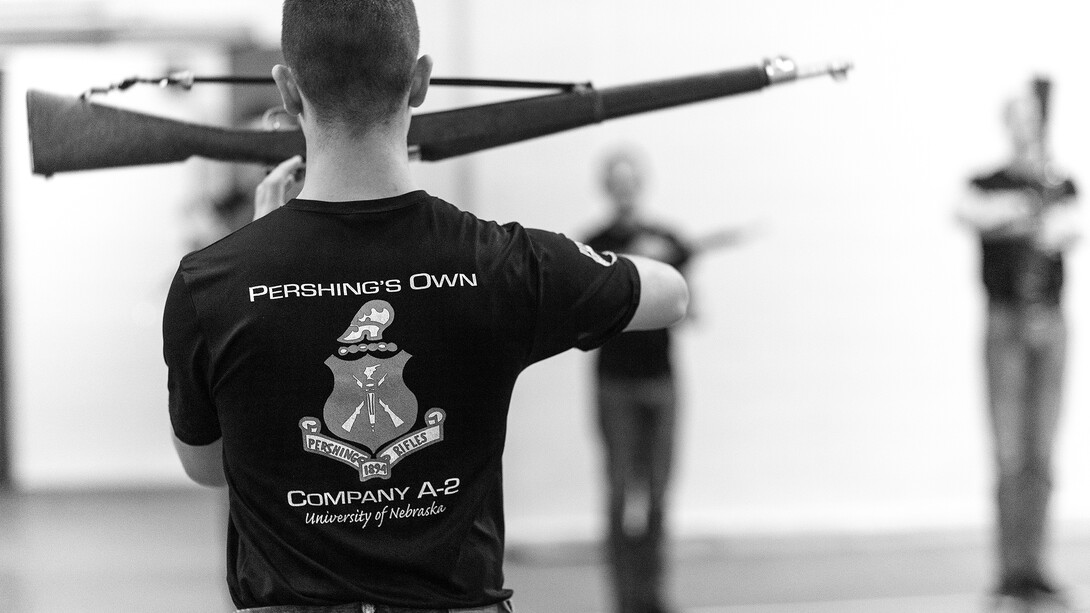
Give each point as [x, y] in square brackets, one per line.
[352, 59]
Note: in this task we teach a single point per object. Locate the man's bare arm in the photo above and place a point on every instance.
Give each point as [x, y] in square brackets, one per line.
[203, 463]
[664, 295]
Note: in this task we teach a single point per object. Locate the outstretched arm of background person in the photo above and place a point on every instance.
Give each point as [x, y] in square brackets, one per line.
[664, 295]
[203, 463]
[1061, 226]
[283, 183]
[1005, 213]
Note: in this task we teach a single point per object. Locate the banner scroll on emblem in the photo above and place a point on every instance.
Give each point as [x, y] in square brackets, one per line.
[379, 465]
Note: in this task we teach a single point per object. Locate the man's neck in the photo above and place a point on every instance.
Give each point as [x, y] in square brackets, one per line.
[367, 167]
[1031, 167]
[625, 218]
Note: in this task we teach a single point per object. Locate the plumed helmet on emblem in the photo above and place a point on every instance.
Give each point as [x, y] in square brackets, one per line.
[369, 322]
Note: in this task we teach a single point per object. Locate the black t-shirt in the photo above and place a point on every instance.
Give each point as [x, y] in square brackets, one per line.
[639, 354]
[1014, 269]
[358, 360]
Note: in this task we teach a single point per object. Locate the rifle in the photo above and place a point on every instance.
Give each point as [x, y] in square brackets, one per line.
[71, 134]
[1045, 178]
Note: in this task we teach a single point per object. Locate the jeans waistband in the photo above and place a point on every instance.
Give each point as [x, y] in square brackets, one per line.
[503, 607]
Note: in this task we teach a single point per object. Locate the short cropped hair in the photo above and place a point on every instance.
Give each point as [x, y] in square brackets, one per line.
[352, 59]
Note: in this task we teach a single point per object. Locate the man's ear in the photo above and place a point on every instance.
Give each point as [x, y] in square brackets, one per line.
[421, 78]
[288, 88]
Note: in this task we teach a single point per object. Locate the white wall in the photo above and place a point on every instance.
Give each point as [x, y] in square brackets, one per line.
[832, 379]
[89, 259]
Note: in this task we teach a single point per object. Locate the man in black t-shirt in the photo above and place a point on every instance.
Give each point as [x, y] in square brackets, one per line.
[637, 406]
[1024, 215]
[344, 364]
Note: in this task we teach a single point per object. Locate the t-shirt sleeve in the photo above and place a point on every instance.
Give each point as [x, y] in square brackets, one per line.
[192, 412]
[584, 297]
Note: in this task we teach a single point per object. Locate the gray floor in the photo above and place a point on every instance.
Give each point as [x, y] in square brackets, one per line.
[160, 551]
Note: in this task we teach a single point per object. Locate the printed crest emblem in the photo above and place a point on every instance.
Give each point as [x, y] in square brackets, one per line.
[370, 403]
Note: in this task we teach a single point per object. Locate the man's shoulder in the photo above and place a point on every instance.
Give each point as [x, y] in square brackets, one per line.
[225, 246]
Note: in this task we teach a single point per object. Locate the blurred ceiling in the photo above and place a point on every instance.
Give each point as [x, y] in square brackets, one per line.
[36, 22]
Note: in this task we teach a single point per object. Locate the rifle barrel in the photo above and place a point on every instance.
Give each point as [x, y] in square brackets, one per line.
[437, 136]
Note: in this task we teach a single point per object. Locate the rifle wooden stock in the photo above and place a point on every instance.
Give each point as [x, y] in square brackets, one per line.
[69, 134]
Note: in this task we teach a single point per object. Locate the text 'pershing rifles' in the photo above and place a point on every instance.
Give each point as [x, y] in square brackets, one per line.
[72, 133]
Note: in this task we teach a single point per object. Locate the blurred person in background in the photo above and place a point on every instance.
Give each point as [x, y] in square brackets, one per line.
[1025, 216]
[232, 206]
[637, 395]
[637, 403]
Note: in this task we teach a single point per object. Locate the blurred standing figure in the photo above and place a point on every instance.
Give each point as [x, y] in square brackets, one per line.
[1024, 214]
[637, 404]
[233, 207]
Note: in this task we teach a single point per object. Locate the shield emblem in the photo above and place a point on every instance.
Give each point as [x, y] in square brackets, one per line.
[370, 403]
